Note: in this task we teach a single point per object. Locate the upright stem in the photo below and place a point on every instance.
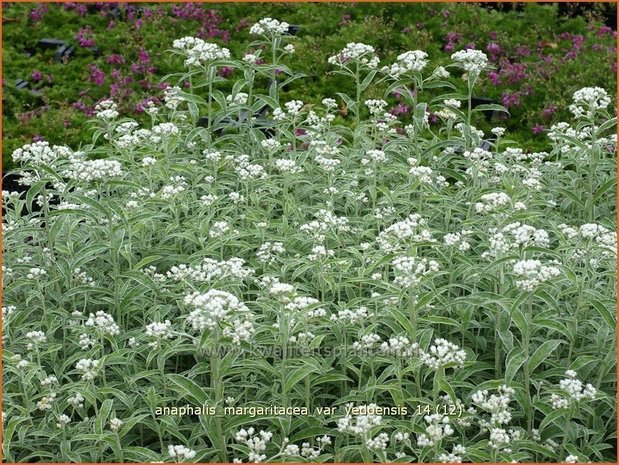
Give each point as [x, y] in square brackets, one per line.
[217, 388]
[526, 342]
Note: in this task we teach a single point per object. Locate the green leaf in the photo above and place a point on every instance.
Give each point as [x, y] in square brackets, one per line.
[188, 388]
[542, 353]
[515, 359]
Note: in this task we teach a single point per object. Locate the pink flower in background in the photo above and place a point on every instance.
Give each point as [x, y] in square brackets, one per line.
[399, 109]
[494, 78]
[97, 76]
[538, 129]
[492, 35]
[111, 25]
[36, 14]
[344, 20]
[115, 60]
[37, 138]
[225, 71]
[523, 50]
[549, 111]
[243, 24]
[85, 37]
[36, 75]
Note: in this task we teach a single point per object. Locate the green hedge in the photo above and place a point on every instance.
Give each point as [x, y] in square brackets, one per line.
[325, 28]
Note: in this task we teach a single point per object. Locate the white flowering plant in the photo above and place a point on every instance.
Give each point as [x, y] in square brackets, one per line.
[386, 293]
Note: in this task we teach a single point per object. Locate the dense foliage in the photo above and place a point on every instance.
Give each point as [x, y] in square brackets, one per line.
[539, 56]
[293, 262]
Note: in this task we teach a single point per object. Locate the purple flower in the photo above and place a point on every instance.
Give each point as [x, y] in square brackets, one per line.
[37, 138]
[344, 20]
[509, 99]
[111, 25]
[36, 75]
[225, 71]
[97, 76]
[523, 51]
[406, 30]
[494, 78]
[115, 60]
[494, 49]
[36, 14]
[420, 26]
[300, 132]
[549, 110]
[538, 129]
[243, 24]
[399, 109]
[85, 37]
[469, 46]
[492, 35]
[143, 56]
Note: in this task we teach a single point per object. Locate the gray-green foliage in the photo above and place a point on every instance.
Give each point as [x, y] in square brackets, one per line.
[288, 261]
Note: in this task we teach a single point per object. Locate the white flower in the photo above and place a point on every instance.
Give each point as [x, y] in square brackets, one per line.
[106, 110]
[289, 49]
[442, 353]
[269, 27]
[181, 453]
[472, 61]
[408, 271]
[356, 52]
[199, 52]
[115, 424]
[531, 273]
[88, 368]
[103, 322]
[63, 420]
[212, 307]
[411, 61]
[588, 100]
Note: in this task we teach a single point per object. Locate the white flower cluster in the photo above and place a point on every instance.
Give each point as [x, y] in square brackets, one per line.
[257, 444]
[367, 341]
[88, 368]
[398, 346]
[326, 221]
[199, 52]
[106, 110]
[455, 456]
[39, 153]
[497, 405]
[403, 234]
[380, 442]
[360, 425]
[115, 424]
[212, 307]
[286, 166]
[356, 52]
[531, 273]
[442, 353]
[103, 322]
[426, 175]
[268, 251]
[500, 439]
[211, 270]
[588, 101]
[458, 239]
[411, 61]
[248, 171]
[349, 316]
[409, 271]
[472, 61]
[438, 428]
[575, 389]
[180, 454]
[159, 331]
[36, 338]
[93, 170]
[492, 202]
[240, 98]
[269, 27]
